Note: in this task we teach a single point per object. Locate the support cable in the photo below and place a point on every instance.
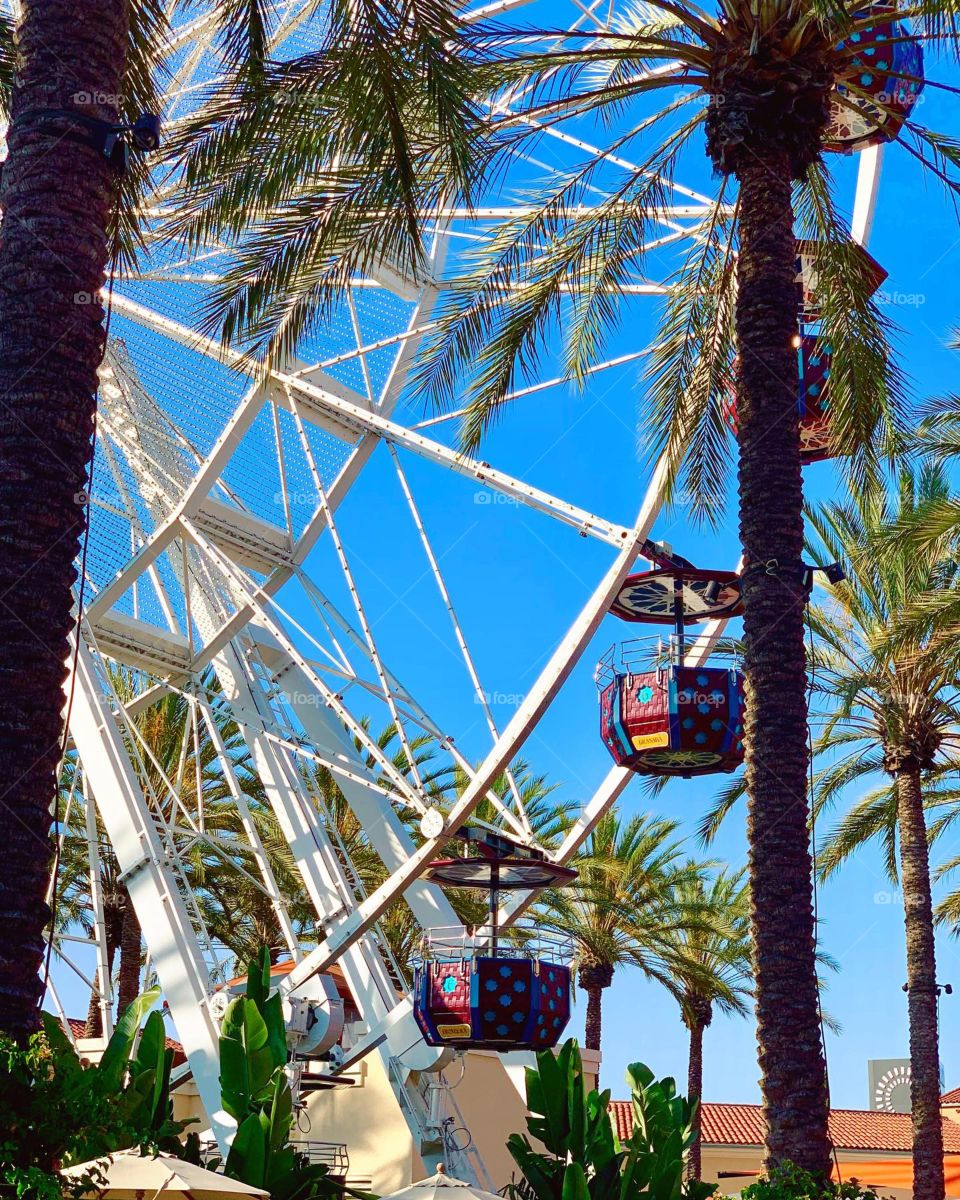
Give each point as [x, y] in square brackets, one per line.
[478, 691]
[348, 575]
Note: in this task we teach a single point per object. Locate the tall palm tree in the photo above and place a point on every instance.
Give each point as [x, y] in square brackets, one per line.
[59, 199]
[710, 968]
[757, 79]
[622, 910]
[892, 705]
[64, 67]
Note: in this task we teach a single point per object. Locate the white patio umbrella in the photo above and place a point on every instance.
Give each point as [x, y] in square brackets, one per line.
[441, 1187]
[130, 1175]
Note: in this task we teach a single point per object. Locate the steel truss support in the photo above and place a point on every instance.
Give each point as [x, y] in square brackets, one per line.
[150, 881]
[325, 878]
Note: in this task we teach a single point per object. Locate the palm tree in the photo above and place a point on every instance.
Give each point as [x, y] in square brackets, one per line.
[67, 212]
[892, 706]
[548, 818]
[622, 909]
[757, 79]
[710, 968]
[59, 198]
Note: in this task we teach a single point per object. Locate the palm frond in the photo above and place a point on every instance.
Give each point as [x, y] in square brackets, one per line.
[495, 319]
[683, 418]
[868, 407]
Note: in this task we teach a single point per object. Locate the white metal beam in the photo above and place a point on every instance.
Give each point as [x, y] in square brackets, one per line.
[152, 886]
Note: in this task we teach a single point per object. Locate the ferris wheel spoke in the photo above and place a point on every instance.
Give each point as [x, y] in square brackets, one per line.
[104, 982]
[149, 877]
[479, 694]
[397, 780]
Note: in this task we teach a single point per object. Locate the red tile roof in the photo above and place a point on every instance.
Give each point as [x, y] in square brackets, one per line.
[77, 1027]
[951, 1099]
[850, 1129]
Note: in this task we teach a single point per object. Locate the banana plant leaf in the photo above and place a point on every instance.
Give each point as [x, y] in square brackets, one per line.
[247, 1062]
[115, 1058]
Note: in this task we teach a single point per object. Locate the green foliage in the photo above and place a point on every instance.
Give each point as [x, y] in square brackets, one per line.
[56, 1112]
[117, 1054]
[622, 909]
[663, 1133]
[788, 1182]
[255, 1091]
[583, 1159]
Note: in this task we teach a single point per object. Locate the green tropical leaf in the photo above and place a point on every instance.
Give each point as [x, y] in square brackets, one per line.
[272, 1012]
[258, 978]
[115, 1058]
[574, 1183]
[64, 1054]
[248, 1152]
[281, 1113]
[246, 1059]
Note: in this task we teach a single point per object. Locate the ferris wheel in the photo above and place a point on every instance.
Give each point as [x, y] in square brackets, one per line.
[217, 570]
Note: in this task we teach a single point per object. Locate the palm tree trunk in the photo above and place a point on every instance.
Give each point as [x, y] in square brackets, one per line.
[57, 195]
[928, 1183]
[594, 977]
[695, 1093]
[131, 947]
[113, 929]
[94, 1024]
[594, 1027]
[793, 1073]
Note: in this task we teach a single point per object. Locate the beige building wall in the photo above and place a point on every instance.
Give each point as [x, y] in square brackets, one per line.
[366, 1118]
[187, 1106]
[492, 1107]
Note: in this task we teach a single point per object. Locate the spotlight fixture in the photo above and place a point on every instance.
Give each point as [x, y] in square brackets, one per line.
[834, 572]
[146, 131]
[113, 141]
[711, 591]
